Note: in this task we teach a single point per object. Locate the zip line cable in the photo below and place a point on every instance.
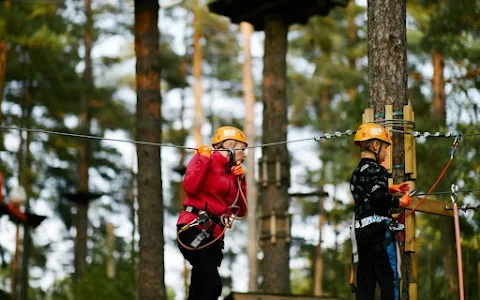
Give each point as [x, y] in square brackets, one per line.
[337, 134]
[447, 192]
[84, 136]
[327, 136]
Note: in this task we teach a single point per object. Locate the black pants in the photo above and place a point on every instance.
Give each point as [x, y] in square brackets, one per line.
[205, 282]
[377, 263]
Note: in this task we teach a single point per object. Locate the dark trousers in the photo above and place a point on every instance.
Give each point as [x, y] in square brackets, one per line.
[377, 263]
[205, 282]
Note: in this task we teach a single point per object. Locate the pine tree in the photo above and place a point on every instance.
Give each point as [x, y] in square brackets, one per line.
[148, 128]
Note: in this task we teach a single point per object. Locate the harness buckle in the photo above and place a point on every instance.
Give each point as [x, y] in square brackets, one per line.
[396, 227]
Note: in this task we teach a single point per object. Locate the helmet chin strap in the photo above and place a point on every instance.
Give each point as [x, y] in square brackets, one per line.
[231, 156]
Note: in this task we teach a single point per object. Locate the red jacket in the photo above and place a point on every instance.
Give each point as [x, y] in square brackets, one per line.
[209, 181]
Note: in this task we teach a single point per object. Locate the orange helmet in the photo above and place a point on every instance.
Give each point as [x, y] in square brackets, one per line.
[228, 133]
[370, 131]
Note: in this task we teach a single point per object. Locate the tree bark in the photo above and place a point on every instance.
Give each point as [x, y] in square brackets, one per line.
[352, 40]
[438, 85]
[26, 181]
[197, 75]
[3, 68]
[148, 127]
[250, 132]
[276, 272]
[446, 228]
[387, 60]
[84, 150]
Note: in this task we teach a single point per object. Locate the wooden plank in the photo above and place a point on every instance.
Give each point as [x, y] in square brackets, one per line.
[413, 290]
[408, 141]
[389, 159]
[368, 115]
[410, 227]
[410, 233]
[413, 176]
[430, 206]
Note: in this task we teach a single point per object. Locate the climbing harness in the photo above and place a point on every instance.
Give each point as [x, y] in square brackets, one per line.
[369, 220]
[207, 222]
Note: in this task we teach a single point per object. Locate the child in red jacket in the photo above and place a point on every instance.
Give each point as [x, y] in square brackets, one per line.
[214, 187]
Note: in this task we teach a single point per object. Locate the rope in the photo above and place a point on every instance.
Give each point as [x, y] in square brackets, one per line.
[431, 188]
[453, 149]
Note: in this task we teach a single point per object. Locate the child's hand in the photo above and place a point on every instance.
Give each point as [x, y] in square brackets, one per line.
[405, 201]
[238, 170]
[403, 188]
[204, 150]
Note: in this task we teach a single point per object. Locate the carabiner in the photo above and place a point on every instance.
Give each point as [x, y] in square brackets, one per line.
[454, 190]
[455, 144]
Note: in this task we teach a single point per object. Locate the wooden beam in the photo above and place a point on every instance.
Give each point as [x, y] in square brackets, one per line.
[388, 163]
[367, 116]
[430, 206]
[410, 228]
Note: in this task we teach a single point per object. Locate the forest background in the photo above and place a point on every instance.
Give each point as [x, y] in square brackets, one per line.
[69, 66]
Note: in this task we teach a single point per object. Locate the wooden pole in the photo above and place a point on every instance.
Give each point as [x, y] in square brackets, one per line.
[388, 160]
[15, 263]
[110, 249]
[478, 277]
[318, 274]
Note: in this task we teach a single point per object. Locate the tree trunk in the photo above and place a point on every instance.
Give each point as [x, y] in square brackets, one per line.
[26, 181]
[319, 262]
[84, 151]
[250, 132]
[110, 241]
[148, 127]
[447, 229]
[276, 271]
[352, 29]
[133, 214]
[183, 154]
[197, 75]
[387, 60]
[3, 68]
[22, 172]
[438, 85]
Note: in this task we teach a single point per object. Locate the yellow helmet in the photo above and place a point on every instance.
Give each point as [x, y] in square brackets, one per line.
[228, 133]
[370, 131]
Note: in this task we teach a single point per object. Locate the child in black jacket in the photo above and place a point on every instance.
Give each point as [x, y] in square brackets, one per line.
[377, 255]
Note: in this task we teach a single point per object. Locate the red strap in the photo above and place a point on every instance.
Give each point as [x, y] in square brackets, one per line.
[16, 213]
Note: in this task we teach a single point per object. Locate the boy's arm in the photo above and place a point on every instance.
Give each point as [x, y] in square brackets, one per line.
[380, 195]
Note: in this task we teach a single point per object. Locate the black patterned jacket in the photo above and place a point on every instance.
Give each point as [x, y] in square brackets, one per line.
[369, 187]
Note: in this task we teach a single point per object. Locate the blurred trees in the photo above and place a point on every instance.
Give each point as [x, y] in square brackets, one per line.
[42, 54]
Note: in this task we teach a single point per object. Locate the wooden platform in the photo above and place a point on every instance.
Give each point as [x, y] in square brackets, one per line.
[260, 296]
[254, 11]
